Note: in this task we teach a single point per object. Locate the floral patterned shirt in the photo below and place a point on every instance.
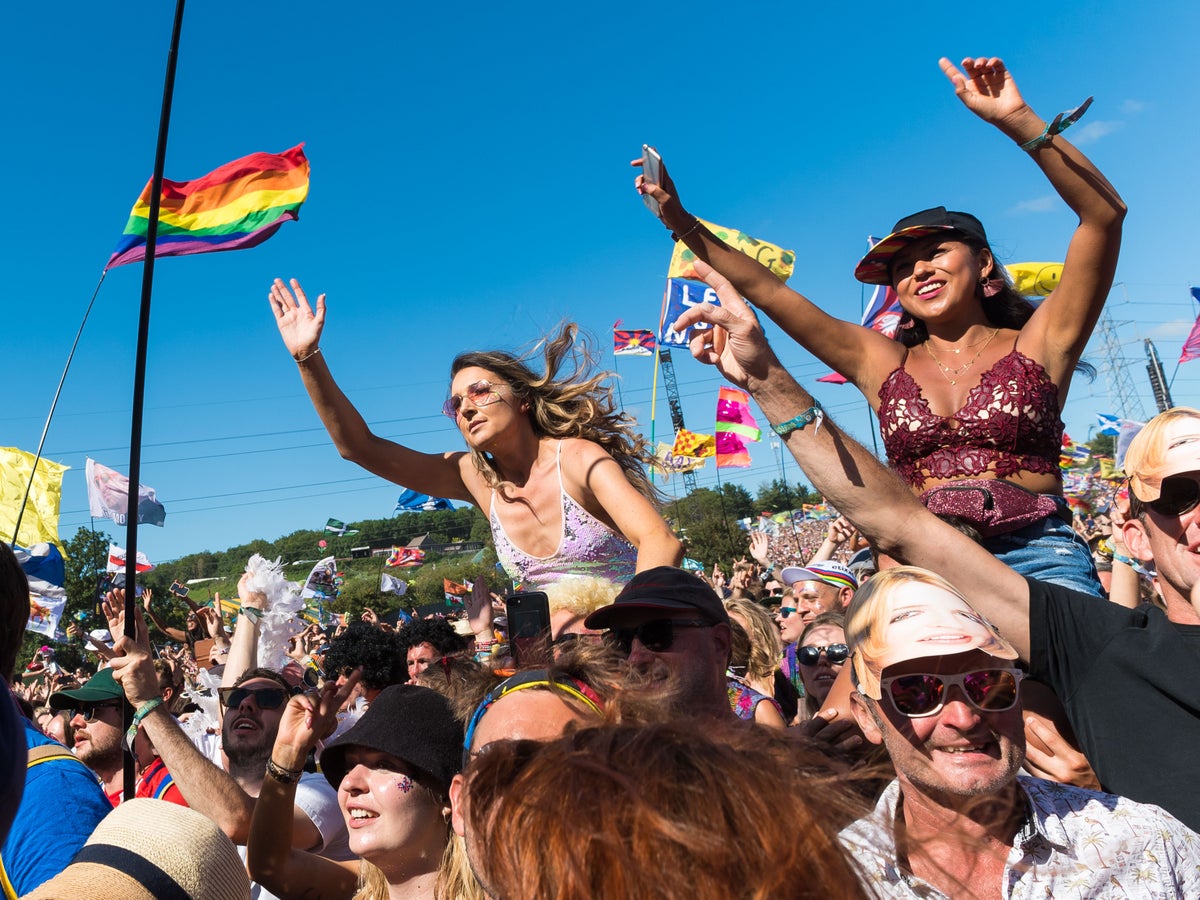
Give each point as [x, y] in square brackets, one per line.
[1075, 844]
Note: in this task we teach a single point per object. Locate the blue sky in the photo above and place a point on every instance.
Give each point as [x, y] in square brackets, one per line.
[470, 189]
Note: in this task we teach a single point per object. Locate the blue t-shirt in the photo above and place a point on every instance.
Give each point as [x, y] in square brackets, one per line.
[62, 806]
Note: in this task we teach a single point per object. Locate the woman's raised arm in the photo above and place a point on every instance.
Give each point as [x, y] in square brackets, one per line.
[1062, 324]
[862, 355]
[300, 326]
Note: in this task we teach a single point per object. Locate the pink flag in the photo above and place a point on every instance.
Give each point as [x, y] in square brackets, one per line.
[735, 426]
[1191, 347]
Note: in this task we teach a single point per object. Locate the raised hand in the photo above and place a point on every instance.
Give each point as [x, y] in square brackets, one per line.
[113, 606]
[671, 211]
[299, 325]
[368, 616]
[760, 547]
[987, 88]
[133, 667]
[309, 718]
[479, 610]
[1048, 755]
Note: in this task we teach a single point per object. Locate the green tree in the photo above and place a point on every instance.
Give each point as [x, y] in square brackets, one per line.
[706, 521]
[778, 496]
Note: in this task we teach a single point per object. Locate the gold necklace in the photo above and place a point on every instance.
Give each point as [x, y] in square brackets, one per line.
[957, 350]
[947, 371]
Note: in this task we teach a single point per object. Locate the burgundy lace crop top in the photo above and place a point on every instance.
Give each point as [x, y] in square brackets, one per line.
[1009, 423]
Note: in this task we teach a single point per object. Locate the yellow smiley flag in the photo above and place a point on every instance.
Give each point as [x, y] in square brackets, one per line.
[780, 261]
[40, 522]
[1035, 279]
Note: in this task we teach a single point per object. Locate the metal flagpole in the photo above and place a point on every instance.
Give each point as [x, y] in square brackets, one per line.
[143, 337]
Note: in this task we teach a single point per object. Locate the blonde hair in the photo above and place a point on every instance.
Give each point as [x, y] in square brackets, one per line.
[766, 646]
[1147, 453]
[581, 596]
[574, 403]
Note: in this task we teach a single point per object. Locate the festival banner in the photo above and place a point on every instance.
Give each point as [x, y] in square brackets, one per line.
[405, 558]
[44, 569]
[780, 261]
[411, 501]
[666, 462]
[697, 446]
[635, 342]
[39, 524]
[681, 296]
[735, 426]
[1035, 279]
[108, 497]
[237, 205]
[455, 592]
[1109, 424]
[321, 581]
[116, 560]
[1191, 347]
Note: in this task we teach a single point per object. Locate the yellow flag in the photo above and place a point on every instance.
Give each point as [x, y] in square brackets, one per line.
[40, 522]
[778, 260]
[697, 446]
[1035, 279]
[667, 463]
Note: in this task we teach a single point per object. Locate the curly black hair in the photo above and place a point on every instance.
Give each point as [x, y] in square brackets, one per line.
[437, 631]
[377, 651]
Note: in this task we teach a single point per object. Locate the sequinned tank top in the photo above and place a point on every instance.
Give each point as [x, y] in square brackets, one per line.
[587, 547]
[1009, 423]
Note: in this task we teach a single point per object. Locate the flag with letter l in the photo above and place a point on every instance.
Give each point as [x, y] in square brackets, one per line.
[39, 524]
[237, 205]
[108, 497]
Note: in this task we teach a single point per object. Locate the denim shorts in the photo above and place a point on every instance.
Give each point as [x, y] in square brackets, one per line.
[1049, 550]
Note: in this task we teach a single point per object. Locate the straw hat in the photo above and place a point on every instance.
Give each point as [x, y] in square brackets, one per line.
[152, 850]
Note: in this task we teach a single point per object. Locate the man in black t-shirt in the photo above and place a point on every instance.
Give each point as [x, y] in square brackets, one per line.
[1130, 679]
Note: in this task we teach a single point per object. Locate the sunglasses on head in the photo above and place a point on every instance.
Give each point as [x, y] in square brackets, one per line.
[481, 393]
[657, 636]
[264, 698]
[919, 695]
[87, 711]
[1178, 495]
[835, 653]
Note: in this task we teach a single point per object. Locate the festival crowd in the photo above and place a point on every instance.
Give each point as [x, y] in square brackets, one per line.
[956, 688]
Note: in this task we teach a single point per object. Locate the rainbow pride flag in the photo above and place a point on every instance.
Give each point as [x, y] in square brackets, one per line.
[240, 204]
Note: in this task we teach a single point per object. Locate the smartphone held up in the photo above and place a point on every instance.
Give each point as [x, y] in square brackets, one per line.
[652, 166]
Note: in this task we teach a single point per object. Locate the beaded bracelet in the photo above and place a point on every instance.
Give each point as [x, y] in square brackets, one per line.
[1061, 123]
[282, 775]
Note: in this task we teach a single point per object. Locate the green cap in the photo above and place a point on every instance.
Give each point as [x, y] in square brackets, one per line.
[100, 687]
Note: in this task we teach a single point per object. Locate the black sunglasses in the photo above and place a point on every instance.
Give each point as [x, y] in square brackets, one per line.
[919, 695]
[835, 653]
[87, 711]
[1178, 495]
[264, 698]
[657, 636]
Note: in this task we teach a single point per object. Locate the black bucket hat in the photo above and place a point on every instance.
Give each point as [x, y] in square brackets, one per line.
[413, 724]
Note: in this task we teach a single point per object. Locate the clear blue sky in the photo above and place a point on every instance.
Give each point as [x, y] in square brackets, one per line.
[470, 189]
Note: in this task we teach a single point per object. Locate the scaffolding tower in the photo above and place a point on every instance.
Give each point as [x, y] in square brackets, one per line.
[672, 386]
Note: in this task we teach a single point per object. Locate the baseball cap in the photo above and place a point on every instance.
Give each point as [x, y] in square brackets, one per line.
[99, 687]
[1168, 445]
[945, 625]
[876, 266]
[827, 570]
[414, 724]
[665, 588]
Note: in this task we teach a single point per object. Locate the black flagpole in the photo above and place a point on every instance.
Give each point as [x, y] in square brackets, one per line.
[139, 371]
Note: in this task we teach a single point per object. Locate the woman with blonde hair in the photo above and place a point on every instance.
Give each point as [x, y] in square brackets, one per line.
[550, 460]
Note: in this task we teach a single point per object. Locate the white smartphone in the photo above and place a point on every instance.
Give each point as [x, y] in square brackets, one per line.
[652, 170]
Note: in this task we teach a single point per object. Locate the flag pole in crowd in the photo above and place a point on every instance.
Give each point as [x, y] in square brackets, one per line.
[139, 370]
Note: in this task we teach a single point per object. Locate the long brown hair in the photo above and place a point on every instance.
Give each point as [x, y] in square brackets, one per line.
[674, 809]
[568, 400]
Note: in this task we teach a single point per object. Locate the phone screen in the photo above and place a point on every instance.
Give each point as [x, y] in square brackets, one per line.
[528, 626]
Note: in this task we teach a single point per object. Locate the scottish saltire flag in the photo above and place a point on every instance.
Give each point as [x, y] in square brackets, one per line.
[411, 501]
[680, 296]
[43, 567]
[882, 314]
[390, 584]
[39, 524]
[778, 260]
[1109, 424]
[1035, 279]
[735, 426]
[633, 342]
[116, 560]
[697, 446]
[405, 558]
[238, 205]
[108, 497]
[1191, 347]
[335, 526]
